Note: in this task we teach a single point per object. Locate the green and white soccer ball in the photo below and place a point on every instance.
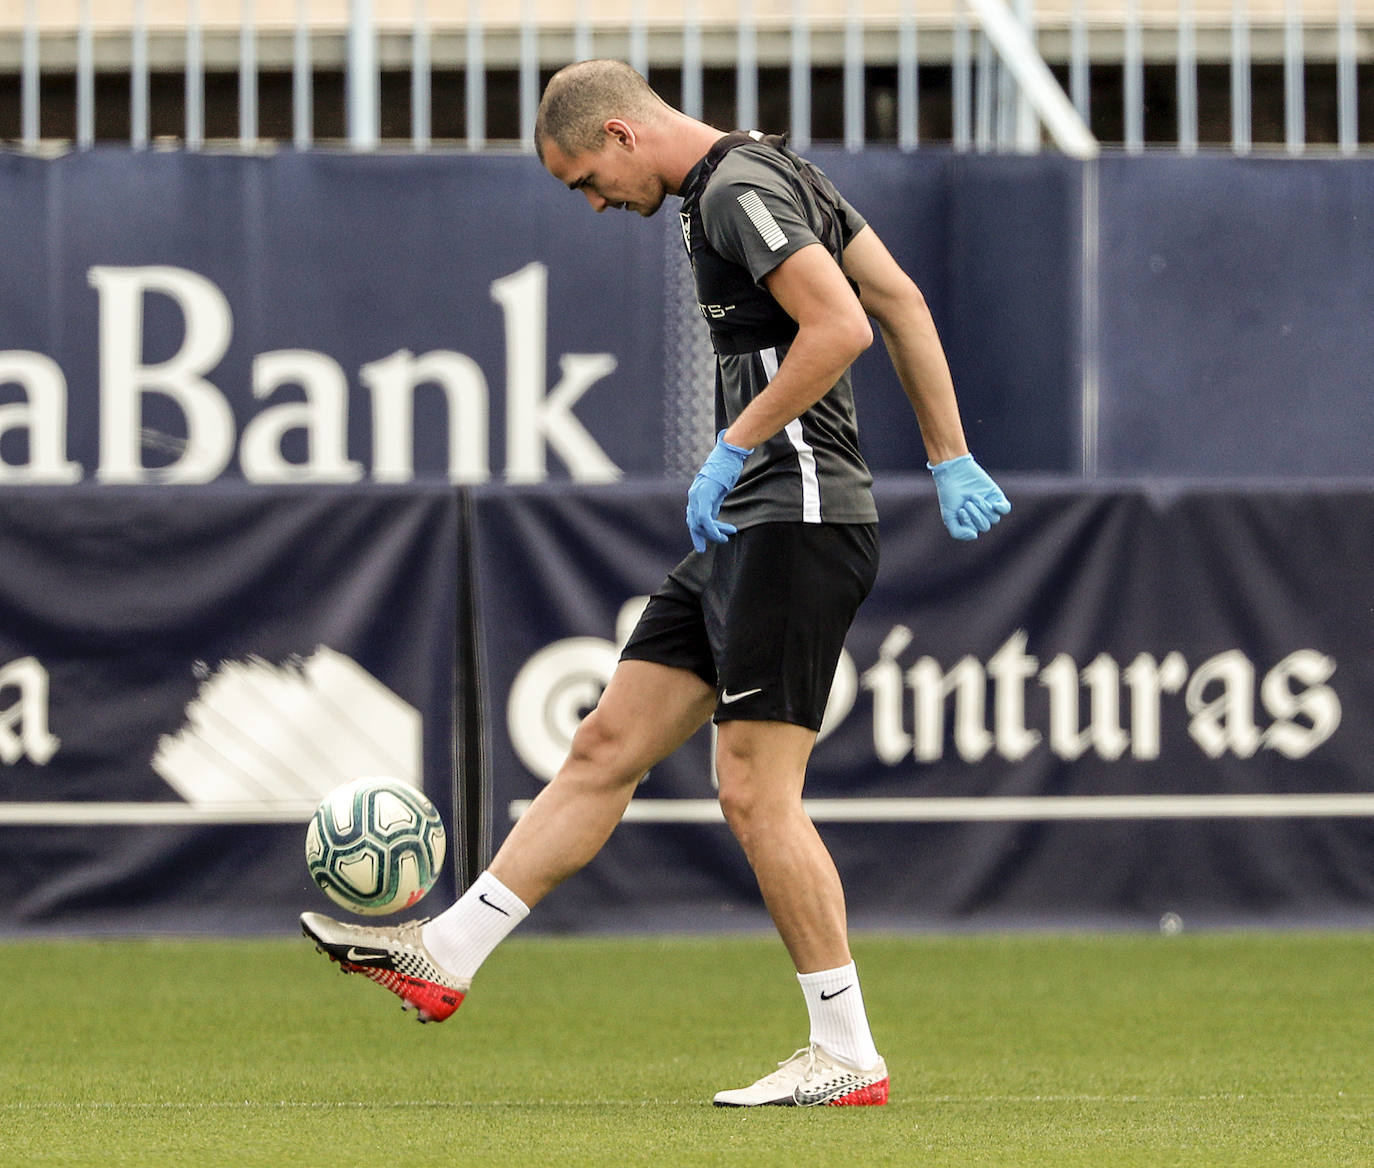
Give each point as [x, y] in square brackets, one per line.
[375, 845]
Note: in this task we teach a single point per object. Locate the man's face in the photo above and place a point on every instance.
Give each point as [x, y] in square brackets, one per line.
[617, 175]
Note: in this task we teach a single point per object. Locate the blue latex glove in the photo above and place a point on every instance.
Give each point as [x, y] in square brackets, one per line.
[970, 502]
[718, 474]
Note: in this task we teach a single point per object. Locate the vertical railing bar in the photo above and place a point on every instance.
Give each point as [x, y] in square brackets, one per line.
[983, 95]
[421, 116]
[1133, 79]
[1240, 77]
[1026, 129]
[639, 38]
[582, 32]
[302, 81]
[1004, 109]
[1347, 107]
[691, 60]
[1079, 79]
[908, 80]
[1294, 104]
[1186, 78]
[529, 73]
[1090, 285]
[138, 77]
[29, 82]
[854, 76]
[801, 77]
[85, 78]
[364, 109]
[248, 79]
[195, 78]
[475, 79]
[746, 69]
[962, 79]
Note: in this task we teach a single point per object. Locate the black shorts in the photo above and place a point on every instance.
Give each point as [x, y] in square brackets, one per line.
[762, 619]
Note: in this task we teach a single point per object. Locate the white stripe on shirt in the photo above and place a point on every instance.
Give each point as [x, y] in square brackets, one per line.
[806, 456]
[762, 218]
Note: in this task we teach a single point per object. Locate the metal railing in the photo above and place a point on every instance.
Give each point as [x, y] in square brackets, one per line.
[1009, 76]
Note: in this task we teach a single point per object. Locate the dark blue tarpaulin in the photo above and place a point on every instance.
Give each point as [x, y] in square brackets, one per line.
[1124, 702]
[183, 674]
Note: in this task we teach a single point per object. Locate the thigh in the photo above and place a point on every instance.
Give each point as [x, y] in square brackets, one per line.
[672, 631]
[647, 711]
[777, 608]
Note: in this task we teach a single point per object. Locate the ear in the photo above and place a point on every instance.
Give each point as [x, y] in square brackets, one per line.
[621, 132]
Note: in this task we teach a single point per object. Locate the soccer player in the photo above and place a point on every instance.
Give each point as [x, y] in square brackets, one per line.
[749, 627]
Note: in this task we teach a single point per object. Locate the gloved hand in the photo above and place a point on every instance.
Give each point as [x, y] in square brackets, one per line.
[970, 502]
[718, 474]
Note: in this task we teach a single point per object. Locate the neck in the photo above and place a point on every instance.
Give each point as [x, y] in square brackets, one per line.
[683, 143]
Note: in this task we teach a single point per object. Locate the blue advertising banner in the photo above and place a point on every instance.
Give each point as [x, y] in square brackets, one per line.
[183, 675]
[178, 318]
[1233, 333]
[172, 318]
[1127, 702]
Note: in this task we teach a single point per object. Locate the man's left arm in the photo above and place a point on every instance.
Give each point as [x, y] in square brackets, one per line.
[970, 502]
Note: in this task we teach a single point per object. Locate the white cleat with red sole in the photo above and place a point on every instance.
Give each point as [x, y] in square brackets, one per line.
[811, 1078]
[394, 957]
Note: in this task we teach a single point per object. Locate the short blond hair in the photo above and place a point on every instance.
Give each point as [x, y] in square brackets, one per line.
[580, 98]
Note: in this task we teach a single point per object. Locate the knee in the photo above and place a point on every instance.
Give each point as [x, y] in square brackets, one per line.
[740, 809]
[600, 754]
[747, 800]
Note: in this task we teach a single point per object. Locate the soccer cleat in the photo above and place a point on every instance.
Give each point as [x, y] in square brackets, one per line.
[395, 958]
[811, 1078]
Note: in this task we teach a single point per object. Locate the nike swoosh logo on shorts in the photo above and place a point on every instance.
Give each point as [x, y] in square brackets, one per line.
[727, 698]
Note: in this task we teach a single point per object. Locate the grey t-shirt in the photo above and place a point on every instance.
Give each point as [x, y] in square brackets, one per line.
[756, 211]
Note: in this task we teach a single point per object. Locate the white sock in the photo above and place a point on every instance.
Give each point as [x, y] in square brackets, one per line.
[463, 936]
[839, 1024]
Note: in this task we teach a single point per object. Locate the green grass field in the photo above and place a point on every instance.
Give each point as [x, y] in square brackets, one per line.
[1109, 1051]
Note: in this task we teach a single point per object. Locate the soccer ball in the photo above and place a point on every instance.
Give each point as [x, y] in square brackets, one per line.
[375, 845]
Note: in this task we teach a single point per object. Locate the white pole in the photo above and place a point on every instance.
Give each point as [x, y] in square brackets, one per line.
[1186, 79]
[1240, 77]
[746, 69]
[420, 90]
[248, 80]
[1347, 106]
[854, 76]
[302, 81]
[1294, 105]
[85, 79]
[29, 82]
[1019, 55]
[362, 77]
[476, 82]
[908, 81]
[195, 78]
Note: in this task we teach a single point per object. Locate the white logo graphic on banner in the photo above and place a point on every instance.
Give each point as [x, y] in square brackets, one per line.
[27, 714]
[540, 420]
[282, 736]
[980, 709]
[262, 743]
[1125, 705]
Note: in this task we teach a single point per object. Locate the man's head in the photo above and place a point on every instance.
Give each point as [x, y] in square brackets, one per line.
[580, 99]
[603, 131]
